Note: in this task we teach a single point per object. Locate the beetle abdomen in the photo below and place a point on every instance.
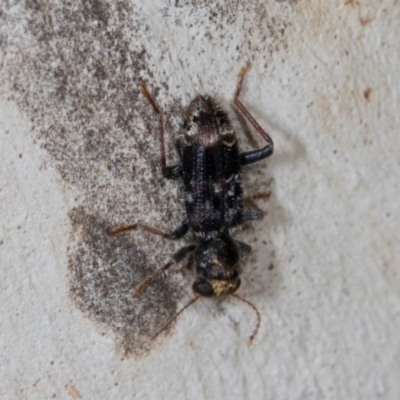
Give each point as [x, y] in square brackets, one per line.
[212, 180]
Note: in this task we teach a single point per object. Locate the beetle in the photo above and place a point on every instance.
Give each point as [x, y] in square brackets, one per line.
[210, 167]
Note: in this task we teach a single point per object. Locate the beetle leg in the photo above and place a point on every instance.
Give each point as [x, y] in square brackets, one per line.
[253, 215]
[172, 172]
[253, 156]
[249, 201]
[177, 233]
[181, 254]
[259, 195]
[139, 289]
[243, 247]
[177, 257]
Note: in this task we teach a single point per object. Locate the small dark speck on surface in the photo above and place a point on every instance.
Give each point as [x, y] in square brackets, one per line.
[367, 94]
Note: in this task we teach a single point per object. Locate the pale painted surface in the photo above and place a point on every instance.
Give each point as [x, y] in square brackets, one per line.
[331, 311]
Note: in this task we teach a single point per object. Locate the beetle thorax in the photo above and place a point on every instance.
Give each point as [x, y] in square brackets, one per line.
[207, 124]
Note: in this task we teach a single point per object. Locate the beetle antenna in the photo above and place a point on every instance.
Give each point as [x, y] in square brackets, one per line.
[195, 298]
[250, 341]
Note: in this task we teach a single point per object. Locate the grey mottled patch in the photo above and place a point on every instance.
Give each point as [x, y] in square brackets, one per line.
[73, 69]
[103, 271]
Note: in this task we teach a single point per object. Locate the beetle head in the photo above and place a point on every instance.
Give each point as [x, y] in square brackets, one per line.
[216, 266]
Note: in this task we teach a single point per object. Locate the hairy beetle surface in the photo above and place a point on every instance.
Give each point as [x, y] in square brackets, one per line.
[210, 168]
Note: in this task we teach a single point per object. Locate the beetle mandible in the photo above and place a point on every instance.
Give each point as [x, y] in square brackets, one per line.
[210, 168]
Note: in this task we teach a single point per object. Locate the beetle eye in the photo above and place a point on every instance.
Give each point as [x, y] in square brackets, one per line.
[203, 289]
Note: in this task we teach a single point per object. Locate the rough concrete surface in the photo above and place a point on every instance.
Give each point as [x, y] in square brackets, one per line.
[80, 155]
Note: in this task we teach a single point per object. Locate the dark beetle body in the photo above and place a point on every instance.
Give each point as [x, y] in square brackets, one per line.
[211, 172]
[210, 168]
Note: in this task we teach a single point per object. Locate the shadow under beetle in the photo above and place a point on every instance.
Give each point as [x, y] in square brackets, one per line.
[210, 168]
